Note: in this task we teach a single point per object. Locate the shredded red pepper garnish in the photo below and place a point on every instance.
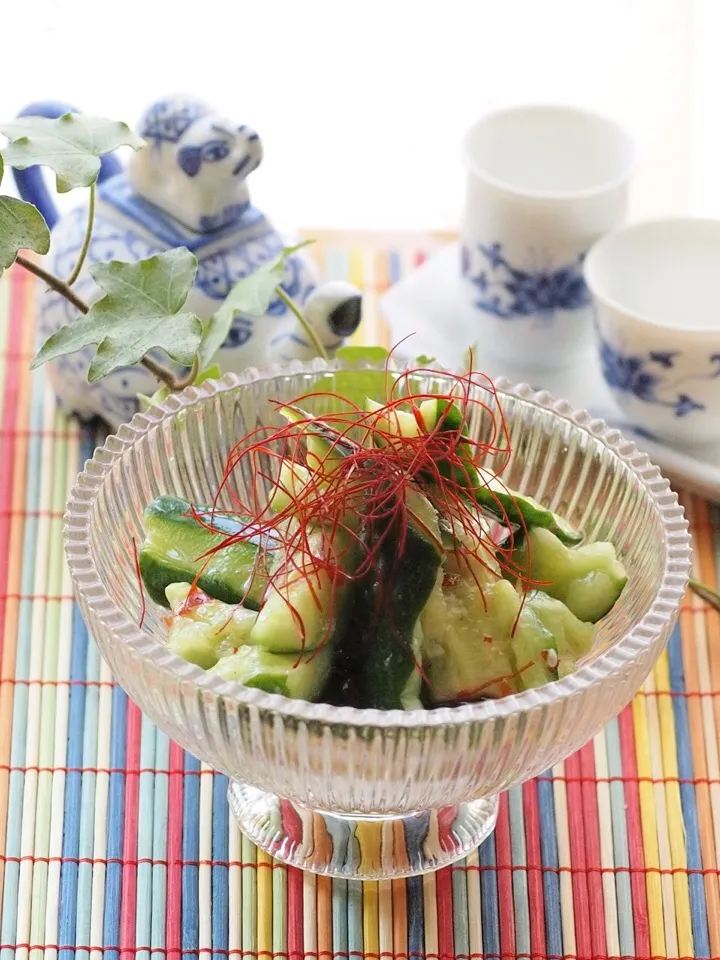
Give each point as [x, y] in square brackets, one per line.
[360, 483]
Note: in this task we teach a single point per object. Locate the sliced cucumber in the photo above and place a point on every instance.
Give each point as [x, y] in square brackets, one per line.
[175, 550]
[513, 507]
[326, 448]
[468, 651]
[400, 423]
[573, 638]
[291, 481]
[305, 606]
[393, 597]
[442, 414]
[588, 579]
[534, 649]
[489, 491]
[204, 630]
[301, 678]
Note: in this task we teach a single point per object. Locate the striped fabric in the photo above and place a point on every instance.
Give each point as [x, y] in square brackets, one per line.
[114, 843]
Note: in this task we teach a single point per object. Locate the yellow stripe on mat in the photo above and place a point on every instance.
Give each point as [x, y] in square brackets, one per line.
[673, 802]
[649, 828]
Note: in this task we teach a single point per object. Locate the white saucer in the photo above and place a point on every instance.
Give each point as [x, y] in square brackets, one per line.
[428, 305]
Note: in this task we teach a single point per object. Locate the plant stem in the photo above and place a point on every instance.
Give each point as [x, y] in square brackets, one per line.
[63, 288]
[86, 241]
[292, 307]
[55, 283]
[189, 377]
[162, 373]
[706, 593]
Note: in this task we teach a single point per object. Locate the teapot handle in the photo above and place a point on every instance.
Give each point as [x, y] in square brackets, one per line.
[31, 182]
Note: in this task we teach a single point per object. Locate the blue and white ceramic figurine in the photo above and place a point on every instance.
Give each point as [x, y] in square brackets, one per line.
[658, 325]
[186, 187]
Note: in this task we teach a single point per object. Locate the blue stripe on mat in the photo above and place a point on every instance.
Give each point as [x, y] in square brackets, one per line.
[416, 917]
[67, 919]
[115, 826]
[489, 893]
[87, 801]
[190, 855]
[340, 919]
[549, 855]
[220, 840]
[698, 906]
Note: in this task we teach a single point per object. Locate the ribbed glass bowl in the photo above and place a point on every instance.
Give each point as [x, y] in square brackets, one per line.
[369, 793]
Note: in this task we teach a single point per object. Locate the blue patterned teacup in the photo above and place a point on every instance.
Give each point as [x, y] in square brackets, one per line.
[544, 182]
[658, 324]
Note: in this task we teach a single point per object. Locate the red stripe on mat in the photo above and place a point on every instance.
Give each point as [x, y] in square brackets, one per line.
[593, 862]
[128, 902]
[576, 829]
[173, 927]
[536, 897]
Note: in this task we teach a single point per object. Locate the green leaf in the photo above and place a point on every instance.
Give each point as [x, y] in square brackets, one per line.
[425, 361]
[22, 227]
[250, 295]
[212, 372]
[71, 145]
[351, 354]
[162, 393]
[140, 312]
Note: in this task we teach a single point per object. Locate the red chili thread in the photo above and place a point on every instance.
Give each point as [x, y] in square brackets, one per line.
[360, 481]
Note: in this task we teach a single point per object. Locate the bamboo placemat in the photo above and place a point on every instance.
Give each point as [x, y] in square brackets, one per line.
[113, 842]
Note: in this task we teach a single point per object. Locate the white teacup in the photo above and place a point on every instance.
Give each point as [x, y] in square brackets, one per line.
[543, 183]
[655, 286]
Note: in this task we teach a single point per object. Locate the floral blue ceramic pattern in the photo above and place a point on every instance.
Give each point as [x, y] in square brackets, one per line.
[167, 120]
[509, 292]
[648, 377]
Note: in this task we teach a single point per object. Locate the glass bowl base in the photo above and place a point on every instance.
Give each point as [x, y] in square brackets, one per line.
[364, 848]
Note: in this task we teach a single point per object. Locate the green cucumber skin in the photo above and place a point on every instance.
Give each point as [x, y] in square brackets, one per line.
[388, 660]
[225, 575]
[518, 511]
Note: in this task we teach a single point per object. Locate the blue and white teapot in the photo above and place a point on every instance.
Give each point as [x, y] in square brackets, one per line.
[185, 188]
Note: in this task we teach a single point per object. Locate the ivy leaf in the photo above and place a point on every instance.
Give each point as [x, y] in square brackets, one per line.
[22, 227]
[71, 145]
[250, 295]
[140, 312]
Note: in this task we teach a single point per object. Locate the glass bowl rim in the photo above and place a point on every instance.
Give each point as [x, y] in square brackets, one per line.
[91, 591]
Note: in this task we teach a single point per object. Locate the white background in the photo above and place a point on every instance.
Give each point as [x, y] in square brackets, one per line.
[361, 104]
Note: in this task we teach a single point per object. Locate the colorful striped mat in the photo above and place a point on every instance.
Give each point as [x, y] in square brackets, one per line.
[115, 843]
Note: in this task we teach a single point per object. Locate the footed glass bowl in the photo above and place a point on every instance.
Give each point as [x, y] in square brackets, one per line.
[364, 793]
